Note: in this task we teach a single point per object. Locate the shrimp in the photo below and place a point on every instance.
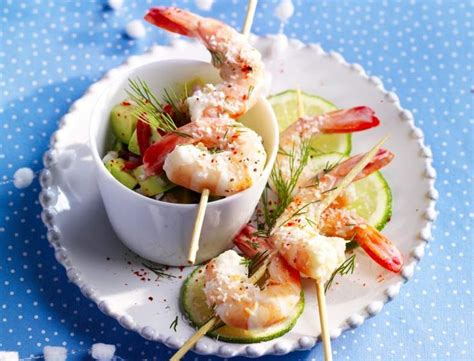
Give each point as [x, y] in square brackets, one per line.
[242, 304]
[340, 222]
[317, 251]
[340, 121]
[220, 154]
[240, 65]
[216, 154]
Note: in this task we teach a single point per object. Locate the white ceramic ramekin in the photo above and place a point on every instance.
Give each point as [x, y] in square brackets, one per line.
[160, 231]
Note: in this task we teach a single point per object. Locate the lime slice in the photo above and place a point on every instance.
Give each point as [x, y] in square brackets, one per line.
[193, 302]
[285, 106]
[371, 197]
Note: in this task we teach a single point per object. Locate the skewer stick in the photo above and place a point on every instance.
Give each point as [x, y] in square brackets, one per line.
[214, 321]
[319, 285]
[194, 247]
[324, 321]
[251, 6]
[195, 338]
[198, 226]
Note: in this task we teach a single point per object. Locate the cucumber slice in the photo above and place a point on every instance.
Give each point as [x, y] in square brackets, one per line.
[285, 106]
[193, 303]
[372, 197]
[115, 167]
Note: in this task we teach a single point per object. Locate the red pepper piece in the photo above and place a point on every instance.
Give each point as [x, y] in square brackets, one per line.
[129, 165]
[143, 135]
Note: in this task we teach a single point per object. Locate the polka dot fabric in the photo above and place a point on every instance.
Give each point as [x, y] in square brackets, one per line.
[51, 51]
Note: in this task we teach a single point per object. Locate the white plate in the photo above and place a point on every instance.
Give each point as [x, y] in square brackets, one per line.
[104, 269]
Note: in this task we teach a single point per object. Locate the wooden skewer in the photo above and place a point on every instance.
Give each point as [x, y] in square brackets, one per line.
[251, 6]
[323, 320]
[193, 249]
[195, 338]
[319, 285]
[194, 246]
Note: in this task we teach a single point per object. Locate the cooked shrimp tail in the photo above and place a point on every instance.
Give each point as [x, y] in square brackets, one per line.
[174, 20]
[249, 243]
[380, 160]
[379, 248]
[348, 120]
[348, 225]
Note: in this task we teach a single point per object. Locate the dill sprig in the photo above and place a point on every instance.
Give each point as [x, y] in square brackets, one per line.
[148, 107]
[330, 166]
[284, 185]
[158, 270]
[299, 212]
[174, 324]
[346, 267]
[257, 260]
[180, 114]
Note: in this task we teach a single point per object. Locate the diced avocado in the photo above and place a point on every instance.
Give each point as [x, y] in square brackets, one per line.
[123, 121]
[151, 186]
[133, 144]
[115, 167]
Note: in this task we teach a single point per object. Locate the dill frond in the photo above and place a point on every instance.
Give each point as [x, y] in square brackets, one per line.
[174, 324]
[158, 270]
[284, 185]
[346, 267]
[148, 107]
[256, 261]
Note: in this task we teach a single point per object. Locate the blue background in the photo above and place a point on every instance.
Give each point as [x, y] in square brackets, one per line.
[51, 51]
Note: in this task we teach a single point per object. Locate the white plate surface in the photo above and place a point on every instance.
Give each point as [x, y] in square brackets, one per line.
[115, 279]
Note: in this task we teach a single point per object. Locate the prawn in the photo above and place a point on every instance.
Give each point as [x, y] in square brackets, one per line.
[340, 222]
[240, 65]
[216, 154]
[317, 250]
[242, 304]
[340, 121]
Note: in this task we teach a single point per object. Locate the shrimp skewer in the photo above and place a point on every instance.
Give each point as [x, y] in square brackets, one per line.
[213, 156]
[340, 222]
[317, 252]
[240, 65]
[237, 301]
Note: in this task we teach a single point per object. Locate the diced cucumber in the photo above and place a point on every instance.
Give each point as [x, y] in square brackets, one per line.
[285, 106]
[123, 121]
[151, 186]
[133, 144]
[193, 303]
[115, 167]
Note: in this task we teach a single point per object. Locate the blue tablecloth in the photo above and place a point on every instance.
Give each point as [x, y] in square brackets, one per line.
[51, 51]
